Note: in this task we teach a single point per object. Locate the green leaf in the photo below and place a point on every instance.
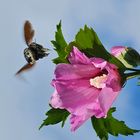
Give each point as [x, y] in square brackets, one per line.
[86, 38]
[110, 125]
[60, 46]
[55, 116]
[100, 128]
[88, 42]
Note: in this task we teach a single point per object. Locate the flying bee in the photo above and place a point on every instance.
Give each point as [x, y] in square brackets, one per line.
[34, 51]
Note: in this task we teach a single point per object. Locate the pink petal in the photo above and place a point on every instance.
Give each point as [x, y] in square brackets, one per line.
[106, 98]
[77, 71]
[89, 110]
[117, 50]
[79, 98]
[56, 101]
[77, 57]
[114, 79]
[74, 93]
[98, 62]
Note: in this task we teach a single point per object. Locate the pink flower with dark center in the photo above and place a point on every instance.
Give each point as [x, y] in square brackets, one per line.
[86, 87]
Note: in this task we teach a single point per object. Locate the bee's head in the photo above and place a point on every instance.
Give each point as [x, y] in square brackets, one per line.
[29, 56]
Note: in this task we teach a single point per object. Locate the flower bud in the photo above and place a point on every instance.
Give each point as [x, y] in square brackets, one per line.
[128, 56]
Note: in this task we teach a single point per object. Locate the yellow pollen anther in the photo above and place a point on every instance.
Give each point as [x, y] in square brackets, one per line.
[99, 81]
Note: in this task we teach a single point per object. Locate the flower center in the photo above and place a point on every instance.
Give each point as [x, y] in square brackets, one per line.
[99, 81]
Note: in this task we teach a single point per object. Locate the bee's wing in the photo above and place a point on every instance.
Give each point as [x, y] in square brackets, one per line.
[25, 68]
[28, 32]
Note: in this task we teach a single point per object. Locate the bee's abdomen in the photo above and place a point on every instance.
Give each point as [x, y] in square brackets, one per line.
[29, 56]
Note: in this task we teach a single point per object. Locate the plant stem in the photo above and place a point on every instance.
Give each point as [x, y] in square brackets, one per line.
[132, 74]
[132, 69]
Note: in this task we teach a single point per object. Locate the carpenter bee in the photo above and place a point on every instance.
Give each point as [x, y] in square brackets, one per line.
[34, 51]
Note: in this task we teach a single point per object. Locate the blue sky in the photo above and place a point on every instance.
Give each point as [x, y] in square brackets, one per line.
[24, 100]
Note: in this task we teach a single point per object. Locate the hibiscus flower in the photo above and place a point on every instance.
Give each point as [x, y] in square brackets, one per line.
[85, 87]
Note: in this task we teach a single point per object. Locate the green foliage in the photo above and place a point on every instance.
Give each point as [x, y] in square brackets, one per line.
[88, 42]
[55, 116]
[110, 125]
[60, 46]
